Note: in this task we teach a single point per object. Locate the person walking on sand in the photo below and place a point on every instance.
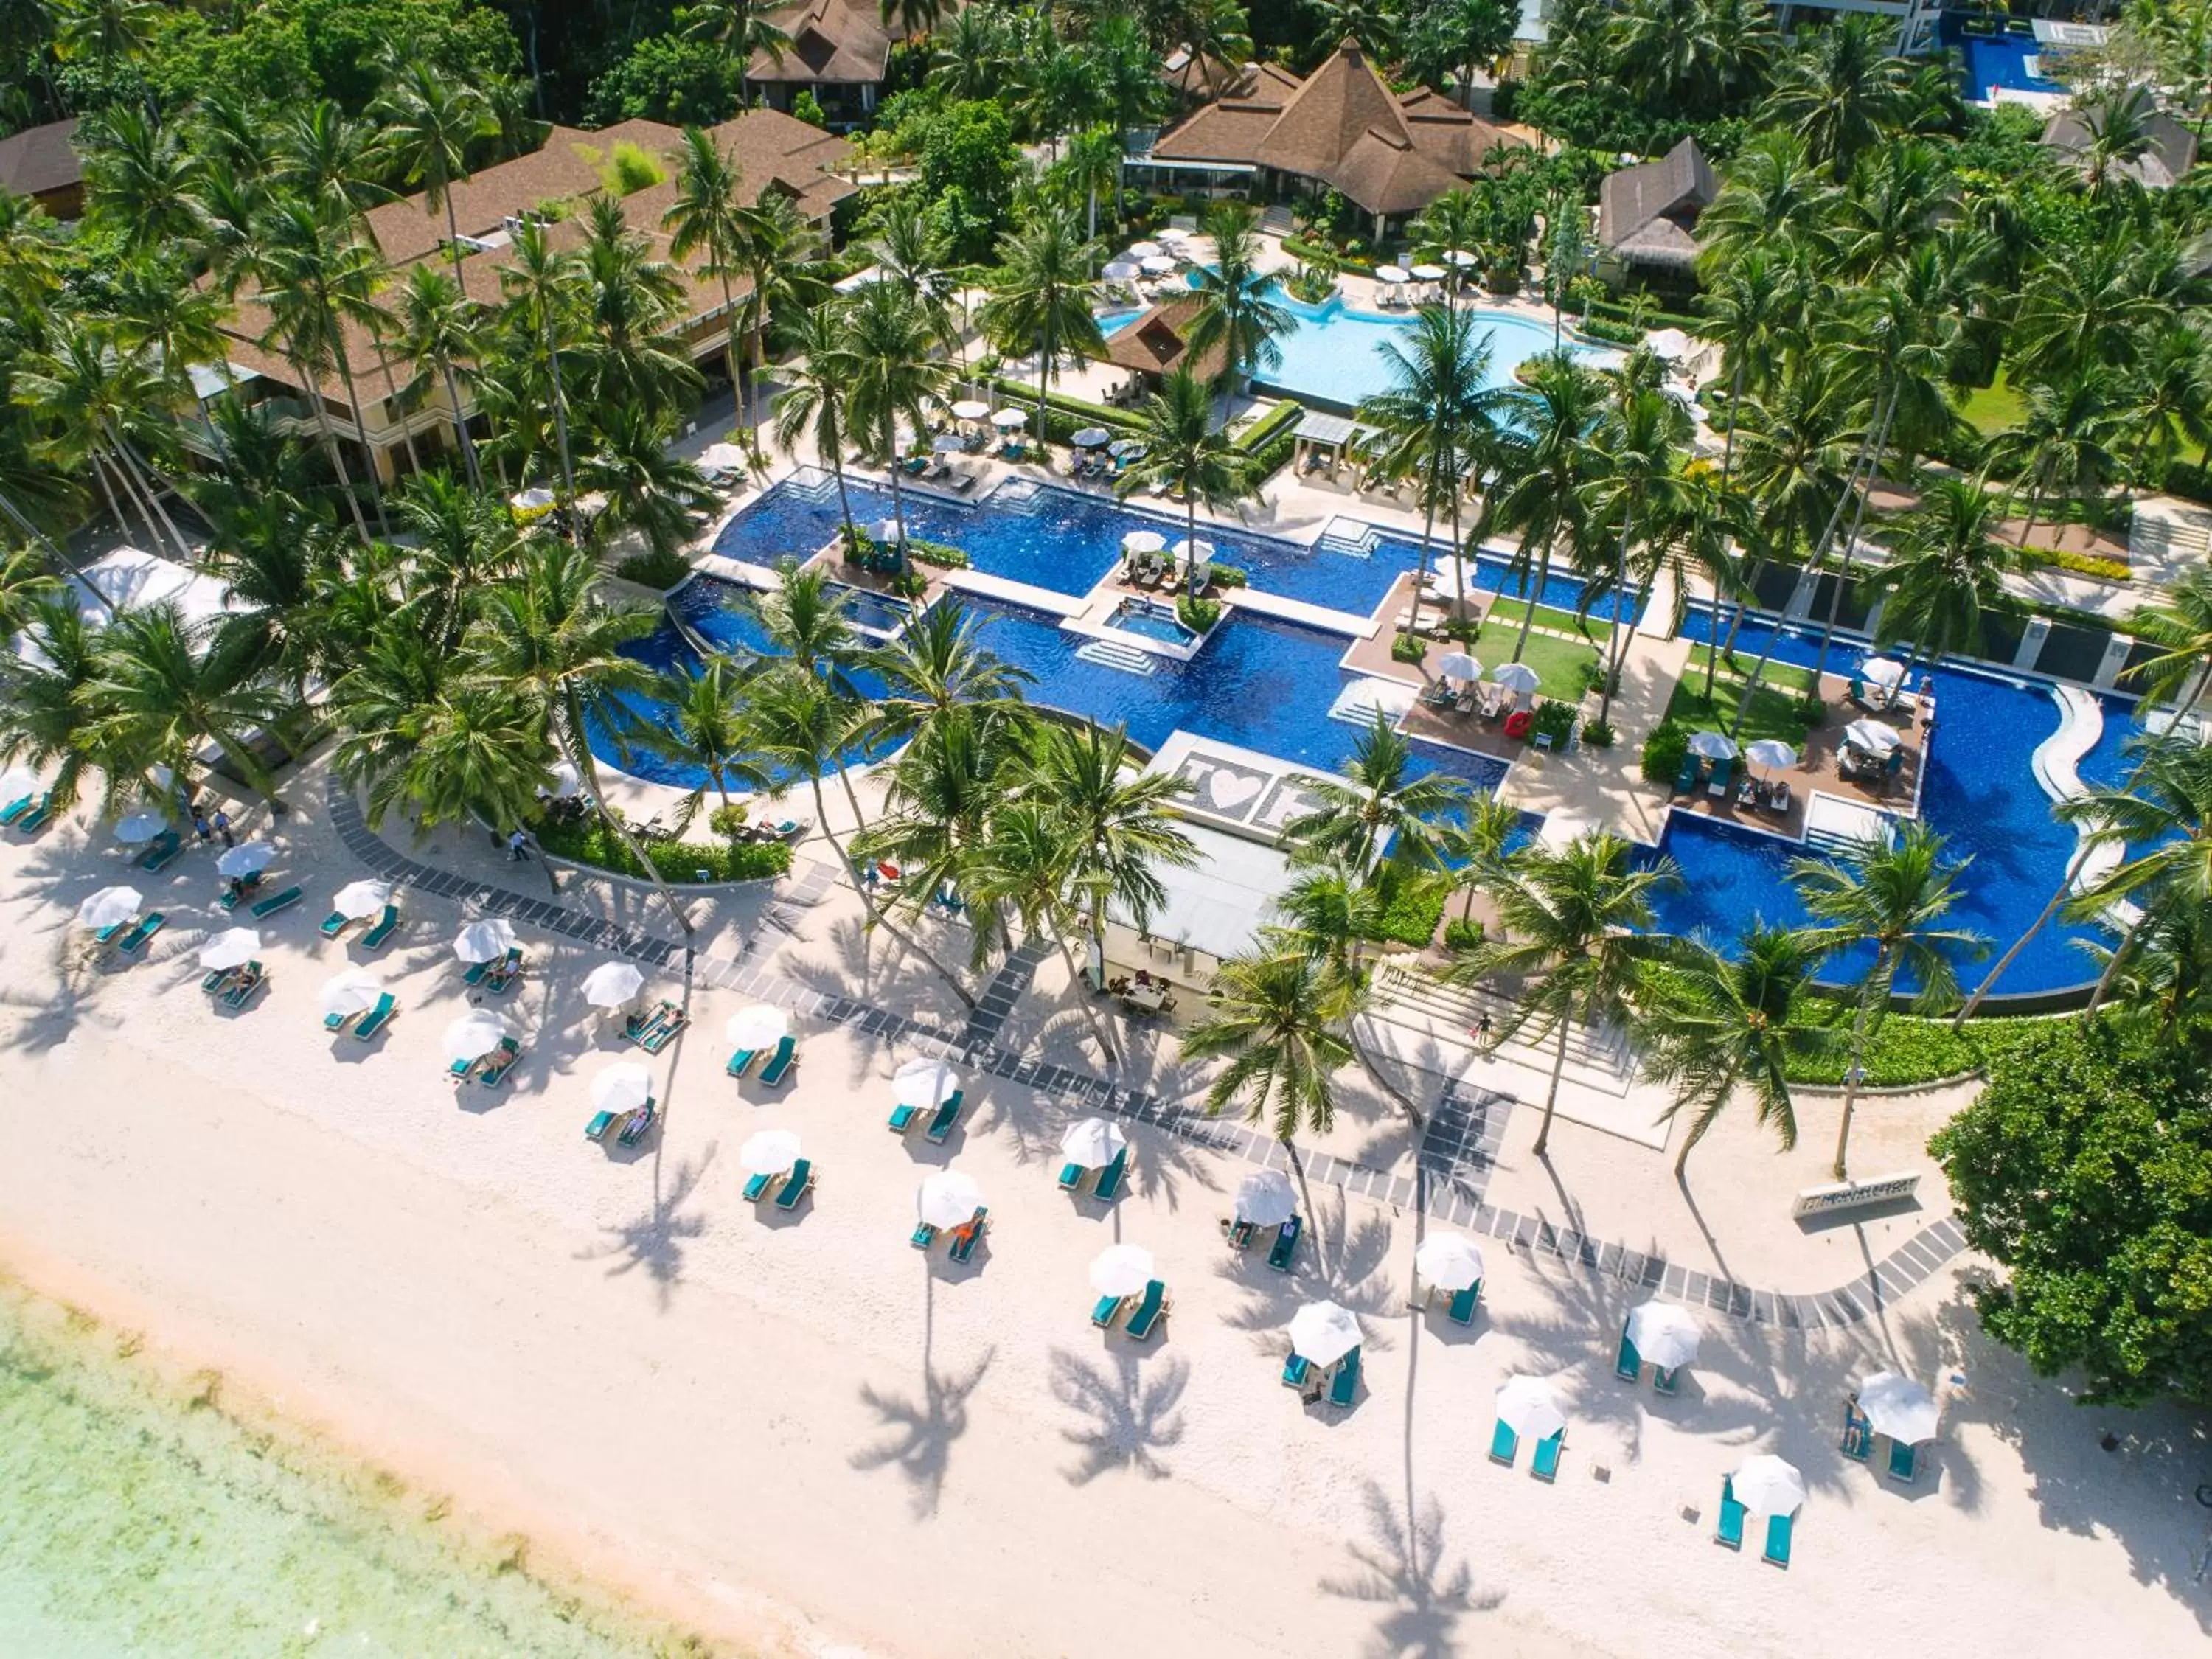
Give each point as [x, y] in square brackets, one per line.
[222, 827]
[200, 827]
[517, 848]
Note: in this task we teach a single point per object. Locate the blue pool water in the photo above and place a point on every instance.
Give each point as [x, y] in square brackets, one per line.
[2001, 60]
[1334, 354]
[1980, 794]
[1150, 620]
[1111, 323]
[1064, 540]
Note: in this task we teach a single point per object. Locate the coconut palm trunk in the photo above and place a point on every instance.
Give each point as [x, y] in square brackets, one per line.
[578, 755]
[1421, 574]
[1857, 1069]
[1852, 537]
[1552, 1094]
[1529, 598]
[367, 449]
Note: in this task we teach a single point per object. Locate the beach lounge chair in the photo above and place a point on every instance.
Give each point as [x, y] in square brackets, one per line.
[941, 1122]
[639, 1122]
[374, 938]
[1904, 1461]
[216, 978]
[35, 820]
[230, 898]
[1345, 1383]
[1665, 1380]
[1439, 694]
[1686, 779]
[1238, 1232]
[796, 1185]
[1858, 1433]
[333, 924]
[500, 1062]
[106, 935]
[1777, 797]
[502, 974]
[1286, 1244]
[1727, 1531]
[1545, 1465]
[636, 1028]
[376, 1018]
[249, 981]
[15, 810]
[276, 901]
[962, 1244]
[1149, 1311]
[1723, 769]
[161, 850]
[1295, 1372]
[760, 1186]
[923, 1235]
[1461, 1309]
[598, 1127]
[667, 1020]
[779, 1061]
[1106, 1311]
[1071, 1175]
[1778, 1528]
[131, 943]
[1628, 1364]
[1110, 1178]
[742, 1061]
[1504, 1444]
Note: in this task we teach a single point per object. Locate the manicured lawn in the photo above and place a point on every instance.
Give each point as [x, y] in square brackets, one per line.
[1547, 616]
[1993, 407]
[1785, 676]
[1558, 663]
[1773, 712]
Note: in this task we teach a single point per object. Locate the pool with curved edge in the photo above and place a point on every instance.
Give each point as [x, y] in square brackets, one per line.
[1334, 356]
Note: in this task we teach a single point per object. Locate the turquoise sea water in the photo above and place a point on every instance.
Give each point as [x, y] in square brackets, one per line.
[136, 1524]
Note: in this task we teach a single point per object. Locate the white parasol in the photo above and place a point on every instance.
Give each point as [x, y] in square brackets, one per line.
[621, 1087]
[1158, 265]
[726, 458]
[1458, 666]
[1771, 753]
[1884, 671]
[1144, 250]
[612, 985]
[1122, 1270]
[1090, 437]
[1765, 1485]
[1872, 736]
[761, 1026]
[1462, 258]
[234, 947]
[1527, 1406]
[1898, 1408]
[969, 409]
[1391, 275]
[771, 1152]
[484, 941]
[111, 907]
[947, 443]
[1267, 1200]
[1143, 541]
[926, 1084]
[1449, 1261]
[1092, 1143]
[1122, 271]
[1187, 549]
[140, 827]
[948, 1198]
[248, 858]
[357, 899]
[888, 532]
[1664, 1334]
[1322, 1332]
[1428, 273]
[473, 1035]
[1010, 420]
[1713, 746]
[1516, 677]
[1669, 343]
[533, 500]
[356, 991]
[1125, 448]
[565, 781]
[17, 783]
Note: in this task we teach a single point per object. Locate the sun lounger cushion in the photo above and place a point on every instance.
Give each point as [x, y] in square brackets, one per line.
[757, 1187]
[276, 901]
[1665, 1380]
[1728, 1531]
[1778, 1528]
[779, 1062]
[1723, 769]
[1110, 1177]
[1545, 1465]
[1504, 1444]
[1858, 1433]
[502, 1062]
[1903, 1460]
[250, 982]
[335, 1022]
[1628, 1365]
[964, 1239]
[1149, 1311]
[1239, 1233]
[1286, 1244]
[376, 1018]
[1295, 1369]
[1345, 1384]
[742, 1061]
[376, 936]
[1461, 1311]
[1106, 1311]
[598, 1127]
[639, 1122]
[940, 1124]
[923, 1235]
[160, 850]
[333, 924]
[15, 809]
[795, 1185]
[144, 929]
[903, 1118]
[1071, 1175]
[35, 820]
[1686, 779]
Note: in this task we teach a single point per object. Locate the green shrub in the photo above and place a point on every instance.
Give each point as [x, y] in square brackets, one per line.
[1663, 752]
[1408, 648]
[727, 821]
[1813, 710]
[2082, 564]
[655, 570]
[1599, 734]
[588, 841]
[1230, 575]
[1462, 934]
[1604, 328]
[940, 554]
[1198, 615]
[1412, 908]
[1554, 720]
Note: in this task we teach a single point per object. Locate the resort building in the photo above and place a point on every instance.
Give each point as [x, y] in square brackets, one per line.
[636, 160]
[1154, 346]
[1341, 128]
[840, 51]
[2169, 152]
[1647, 215]
[41, 165]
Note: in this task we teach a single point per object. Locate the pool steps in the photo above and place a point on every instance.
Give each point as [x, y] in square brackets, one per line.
[1357, 542]
[1126, 658]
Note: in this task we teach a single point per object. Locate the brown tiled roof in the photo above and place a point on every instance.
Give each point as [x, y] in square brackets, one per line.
[843, 42]
[40, 159]
[1154, 343]
[1344, 126]
[1648, 212]
[2172, 152]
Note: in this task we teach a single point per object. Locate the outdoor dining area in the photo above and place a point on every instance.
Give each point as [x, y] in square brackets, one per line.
[1710, 769]
[1147, 269]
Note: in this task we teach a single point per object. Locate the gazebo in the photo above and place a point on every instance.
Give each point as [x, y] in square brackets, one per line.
[1329, 440]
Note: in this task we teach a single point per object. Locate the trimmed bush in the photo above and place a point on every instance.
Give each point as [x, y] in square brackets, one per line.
[588, 841]
[1664, 751]
[940, 554]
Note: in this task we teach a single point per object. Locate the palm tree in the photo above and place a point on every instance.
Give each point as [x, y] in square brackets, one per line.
[2180, 623]
[896, 377]
[1381, 804]
[47, 719]
[1280, 1019]
[428, 124]
[1640, 441]
[1947, 566]
[742, 25]
[1713, 1026]
[649, 488]
[943, 788]
[1775, 201]
[2117, 119]
[1042, 293]
[542, 290]
[464, 543]
[1842, 91]
[1330, 911]
[1092, 166]
[1890, 897]
[706, 218]
[707, 728]
[778, 246]
[912, 250]
[86, 391]
[938, 669]
[2066, 444]
[1474, 847]
[139, 178]
[969, 57]
[1026, 864]
[164, 689]
[1576, 931]
[1187, 454]
[2171, 394]
[630, 304]
[438, 334]
[1235, 316]
[1058, 94]
[814, 403]
[1369, 25]
[1435, 423]
[1546, 456]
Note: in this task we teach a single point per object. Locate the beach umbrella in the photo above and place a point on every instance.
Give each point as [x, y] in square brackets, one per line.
[1010, 420]
[564, 781]
[1713, 746]
[1664, 1334]
[1092, 1143]
[1391, 275]
[1516, 677]
[1898, 1408]
[353, 992]
[1771, 752]
[1323, 1333]
[1458, 666]
[761, 1026]
[533, 500]
[1143, 250]
[1527, 1406]
[1090, 437]
[1884, 671]
[1122, 270]
[1125, 448]
[111, 907]
[949, 1198]
[1122, 1270]
[1668, 342]
[1462, 258]
[969, 409]
[17, 783]
[248, 858]
[723, 457]
[1187, 549]
[475, 1034]
[889, 530]
[925, 1084]
[1449, 1261]
[612, 985]
[1267, 1200]
[234, 947]
[1158, 265]
[140, 827]
[1143, 541]
[484, 941]
[621, 1087]
[947, 443]
[357, 899]
[771, 1152]
[1765, 1485]
[1427, 273]
[1872, 736]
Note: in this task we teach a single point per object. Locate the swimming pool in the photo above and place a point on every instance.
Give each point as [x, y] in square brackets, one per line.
[1111, 323]
[1151, 620]
[2006, 59]
[1334, 355]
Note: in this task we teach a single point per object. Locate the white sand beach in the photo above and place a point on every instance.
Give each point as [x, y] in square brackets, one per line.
[797, 1435]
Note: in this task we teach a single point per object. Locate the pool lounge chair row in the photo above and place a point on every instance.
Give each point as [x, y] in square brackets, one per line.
[903, 1118]
[779, 1063]
[1505, 1446]
[1338, 1384]
[1628, 1366]
[1109, 1185]
[1240, 1234]
[1146, 1313]
[490, 1069]
[338, 922]
[367, 1024]
[130, 938]
[961, 1241]
[655, 1030]
[15, 812]
[796, 1183]
[234, 987]
[634, 1123]
[1728, 1531]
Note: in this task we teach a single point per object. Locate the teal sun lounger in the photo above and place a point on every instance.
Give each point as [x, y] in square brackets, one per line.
[1286, 1244]
[1150, 1311]
[276, 901]
[1504, 1444]
[1628, 1364]
[1461, 1309]
[374, 938]
[1545, 1465]
[796, 1185]
[940, 1124]
[1778, 1530]
[377, 1018]
[779, 1061]
[1345, 1385]
[964, 1239]
[1110, 1178]
[1106, 1311]
[1071, 1177]
[1728, 1531]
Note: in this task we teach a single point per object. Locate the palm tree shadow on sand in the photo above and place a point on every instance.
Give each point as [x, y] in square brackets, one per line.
[1129, 1412]
[655, 1240]
[1402, 1571]
[919, 1433]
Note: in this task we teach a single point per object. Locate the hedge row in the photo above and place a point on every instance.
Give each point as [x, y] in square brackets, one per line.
[588, 841]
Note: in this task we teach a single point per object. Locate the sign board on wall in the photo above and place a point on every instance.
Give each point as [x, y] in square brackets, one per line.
[1854, 1195]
